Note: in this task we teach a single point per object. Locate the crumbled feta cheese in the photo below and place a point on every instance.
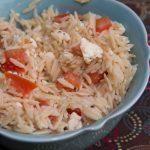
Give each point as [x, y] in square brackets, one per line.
[82, 1]
[60, 35]
[90, 51]
[74, 122]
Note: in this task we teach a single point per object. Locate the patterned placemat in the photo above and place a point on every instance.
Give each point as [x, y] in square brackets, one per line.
[133, 131]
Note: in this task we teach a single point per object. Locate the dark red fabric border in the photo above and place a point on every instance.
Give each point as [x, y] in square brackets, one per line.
[133, 131]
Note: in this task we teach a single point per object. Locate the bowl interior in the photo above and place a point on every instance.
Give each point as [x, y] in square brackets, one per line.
[117, 12]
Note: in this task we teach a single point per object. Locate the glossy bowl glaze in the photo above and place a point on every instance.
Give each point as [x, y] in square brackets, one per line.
[81, 138]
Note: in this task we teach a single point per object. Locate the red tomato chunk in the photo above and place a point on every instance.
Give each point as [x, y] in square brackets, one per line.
[21, 85]
[102, 24]
[76, 110]
[71, 78]
[53, 118]
[43, 103]
[8, 66]
[19, 55]
[96, 77]
[60, 18]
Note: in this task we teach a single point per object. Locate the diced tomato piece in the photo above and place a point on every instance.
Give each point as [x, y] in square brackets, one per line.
[8, 66]
[52, 118]
[76, 110]
[60, 18]
[43, 103]
[21, 85]
[60, 86]
[96, 77]
[71, 78]
[18, 54]
[103, 24]
[69, 111]
[77, 50]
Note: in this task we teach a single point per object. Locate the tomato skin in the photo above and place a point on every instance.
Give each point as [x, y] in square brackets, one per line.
[21, 85]
[96, 77]
[60, 18]
[76, 110]
[102, 24]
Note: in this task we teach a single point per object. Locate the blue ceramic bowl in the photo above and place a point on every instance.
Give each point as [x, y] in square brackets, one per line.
[81, 138]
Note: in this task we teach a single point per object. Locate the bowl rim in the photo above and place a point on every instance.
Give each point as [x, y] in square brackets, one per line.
[100, 123]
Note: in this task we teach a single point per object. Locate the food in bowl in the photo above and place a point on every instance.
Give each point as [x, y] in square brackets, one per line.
[60, 72]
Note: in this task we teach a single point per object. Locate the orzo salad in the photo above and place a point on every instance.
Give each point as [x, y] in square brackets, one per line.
[61, 71]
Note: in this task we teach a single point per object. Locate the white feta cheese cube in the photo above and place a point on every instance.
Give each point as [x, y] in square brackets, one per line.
[90, 50]
[74, 122]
